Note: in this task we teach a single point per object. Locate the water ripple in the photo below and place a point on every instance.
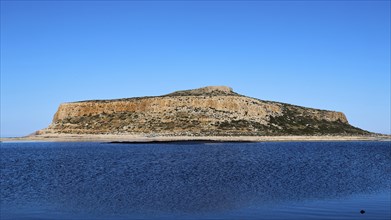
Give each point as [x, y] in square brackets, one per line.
[157, 180]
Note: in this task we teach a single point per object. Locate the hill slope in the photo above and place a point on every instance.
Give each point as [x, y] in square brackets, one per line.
[213, 110]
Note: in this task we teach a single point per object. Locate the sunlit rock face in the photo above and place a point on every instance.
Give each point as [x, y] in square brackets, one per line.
[212, 110]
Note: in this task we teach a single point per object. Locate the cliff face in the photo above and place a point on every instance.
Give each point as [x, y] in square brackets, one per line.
[204, 111]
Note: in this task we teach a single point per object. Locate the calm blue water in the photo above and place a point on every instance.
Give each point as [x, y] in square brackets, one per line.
[322, 180]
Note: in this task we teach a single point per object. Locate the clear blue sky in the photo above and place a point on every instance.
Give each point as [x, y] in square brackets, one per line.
[325, 54]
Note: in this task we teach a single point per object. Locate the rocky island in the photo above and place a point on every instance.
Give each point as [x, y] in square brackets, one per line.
[208, 113]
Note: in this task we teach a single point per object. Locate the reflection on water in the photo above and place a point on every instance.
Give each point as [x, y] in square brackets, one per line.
[227, 180]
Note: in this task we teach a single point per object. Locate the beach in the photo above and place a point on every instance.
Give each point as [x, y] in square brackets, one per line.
[146, 138]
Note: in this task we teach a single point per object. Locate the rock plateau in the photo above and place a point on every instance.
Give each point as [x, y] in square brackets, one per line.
[208, 111]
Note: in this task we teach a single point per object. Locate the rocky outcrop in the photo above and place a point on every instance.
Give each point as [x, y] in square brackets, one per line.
[214, 110]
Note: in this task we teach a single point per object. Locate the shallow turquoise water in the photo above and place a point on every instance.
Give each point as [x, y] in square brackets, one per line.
[309, 180]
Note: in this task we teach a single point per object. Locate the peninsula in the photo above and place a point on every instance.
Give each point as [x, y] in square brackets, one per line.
[208, 113]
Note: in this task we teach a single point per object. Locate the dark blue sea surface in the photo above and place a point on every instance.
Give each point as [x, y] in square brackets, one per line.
[291, 180]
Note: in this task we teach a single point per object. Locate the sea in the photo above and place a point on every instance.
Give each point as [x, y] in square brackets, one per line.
[196, 180]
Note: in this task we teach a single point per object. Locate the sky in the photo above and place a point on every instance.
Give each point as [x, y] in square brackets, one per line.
[332, 55]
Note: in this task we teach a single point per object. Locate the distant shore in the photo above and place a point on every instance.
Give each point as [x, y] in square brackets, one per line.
[147, 139]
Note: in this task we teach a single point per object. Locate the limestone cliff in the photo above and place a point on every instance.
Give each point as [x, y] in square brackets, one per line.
[213, 110]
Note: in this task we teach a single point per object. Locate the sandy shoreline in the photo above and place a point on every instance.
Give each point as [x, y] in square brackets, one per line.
[139, 138]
